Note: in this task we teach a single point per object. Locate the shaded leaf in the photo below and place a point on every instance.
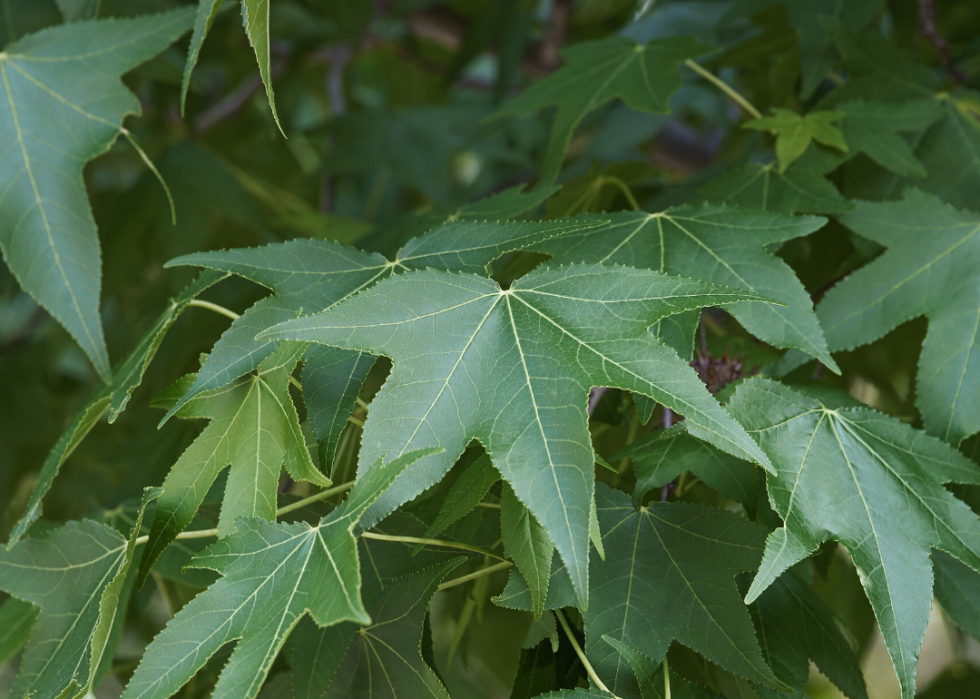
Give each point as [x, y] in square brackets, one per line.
[872, 127]
[207, 11]
[958, 591]
[650, 676]
[16, 619]
[527, 544]
[464, 496]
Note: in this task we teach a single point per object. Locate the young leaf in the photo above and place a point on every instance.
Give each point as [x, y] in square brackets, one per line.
[527, 544]
[718, 244]
[794, 625]
[931, 267]
[597, 72]
[874, 484]
[513, 369]
[650, 676]
[670, 574]
[66, 105]
[255, 429]
[113, 397]
[384, 659]
[794, 132]
[273, 575]
[75, 575]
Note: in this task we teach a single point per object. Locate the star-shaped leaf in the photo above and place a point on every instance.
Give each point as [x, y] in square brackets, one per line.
[874, 484]
[513, 368]
[112, 397]
[718, 244]
[873, 128]
[794, 132]
[670, 574]
[255, 429]
[274, 574]
[597, 72]
[75, 574]
[931, 267]
[65, 104]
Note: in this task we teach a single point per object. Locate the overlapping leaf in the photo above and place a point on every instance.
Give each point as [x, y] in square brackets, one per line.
[112, 397]
[254, 429]
[527, 544]
[794, 132]
[597, 72]
[873, 128]
[670, 574]
[65, 104]
[75, 574]
[512, 368]
[718, 244]
[274, 574]
[931, 267]
[852, 475]
[650, 676]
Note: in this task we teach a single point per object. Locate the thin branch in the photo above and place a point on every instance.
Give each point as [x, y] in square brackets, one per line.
[724, 87]
[432, 542]
[214, 307]
[927, 24]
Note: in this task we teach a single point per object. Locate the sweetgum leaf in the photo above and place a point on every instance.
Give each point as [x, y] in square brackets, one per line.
[958, 591]
[872, 127]
[527, 544]
[874, 484]
[16, 619]
[255, 429]
[274, 574]
[931, 267]
[513, 368]
[650, 676]
[464, 496]
[670, 574]
[719, 244]
[65, 105]
[794, 132]
[207, 12]
[597, 72]
[75, 574]
[112, 397]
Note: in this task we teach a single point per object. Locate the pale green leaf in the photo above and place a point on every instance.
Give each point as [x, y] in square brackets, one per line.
[853, 475]
[527, 544]
[254, 429]
[111, 397]
[513, 369]
[931, 267]
[274, 574]
[718, 244]
[794, 132]
[670, 575]
[597, 72]
[65, 104]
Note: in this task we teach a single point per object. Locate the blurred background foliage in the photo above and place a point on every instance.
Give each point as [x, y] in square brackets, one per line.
[384, 107]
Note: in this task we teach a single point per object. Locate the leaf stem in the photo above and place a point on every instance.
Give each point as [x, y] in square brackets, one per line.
[666, 679]
[362, 404]
[624, 188]
[153, 168]
[724, 87]
[473, 576]
[322, 495]
[359, 423]
[580, 653]
[432, 542]
[214, 307]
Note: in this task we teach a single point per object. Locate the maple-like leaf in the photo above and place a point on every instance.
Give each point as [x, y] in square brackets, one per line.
[670, 574]
[513, 368]
[850, 474]
[794, 132]
[65, 104]
[112, 397]
[464, 496]
[597, 72]
[718, 244]
[274, 574]
[527, 544]
[254, 429]
[931, 267]
[75, 574]
[650, 676]
[873, 128]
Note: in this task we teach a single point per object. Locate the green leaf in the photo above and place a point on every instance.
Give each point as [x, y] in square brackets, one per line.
[254, 429]
[517, 593]
[274, 574]
[794, 626]
[872, 127]
[513, 369]
[464, 496]
[853, 475]
[958, 591]
[527, 544]
[718, 244]
[255, 14]
[48, 236]
[931, 267]
[75, 574]
[384, 659]
[207, 12]
[795, 132]
[112, 397]
[801, 189]
[16, 619]
[650, 676]
[658, 458]
[597, 72]
[74, 10]
[670, 574]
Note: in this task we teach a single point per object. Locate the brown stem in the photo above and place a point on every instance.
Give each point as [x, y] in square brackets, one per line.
[927, 24]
